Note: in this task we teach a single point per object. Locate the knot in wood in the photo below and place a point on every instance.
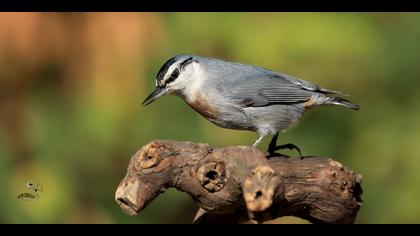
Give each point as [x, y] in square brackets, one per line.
[148, 157]
[212, 176]
[260, 187]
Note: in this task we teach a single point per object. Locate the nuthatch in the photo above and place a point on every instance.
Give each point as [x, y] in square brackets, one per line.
[244, 97]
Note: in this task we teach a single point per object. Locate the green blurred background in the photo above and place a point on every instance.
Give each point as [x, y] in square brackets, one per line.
[71, 86]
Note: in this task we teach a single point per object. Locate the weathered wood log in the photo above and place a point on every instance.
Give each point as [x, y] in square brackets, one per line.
[240, 183]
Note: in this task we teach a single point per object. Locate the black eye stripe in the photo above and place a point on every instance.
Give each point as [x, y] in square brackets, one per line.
[160, 81]
[175, 74]
[186, 62]
[172, 77]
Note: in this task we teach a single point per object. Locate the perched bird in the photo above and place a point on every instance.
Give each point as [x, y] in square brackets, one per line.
[240, 96]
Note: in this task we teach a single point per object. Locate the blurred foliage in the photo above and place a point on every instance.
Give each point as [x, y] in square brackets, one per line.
[71, 87]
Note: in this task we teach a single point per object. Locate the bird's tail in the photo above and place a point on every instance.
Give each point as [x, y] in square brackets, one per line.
[341, 102]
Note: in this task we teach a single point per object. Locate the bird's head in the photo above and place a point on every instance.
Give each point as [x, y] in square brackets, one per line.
[176, 75]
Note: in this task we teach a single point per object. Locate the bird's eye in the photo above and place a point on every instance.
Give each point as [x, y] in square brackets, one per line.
[175, 74]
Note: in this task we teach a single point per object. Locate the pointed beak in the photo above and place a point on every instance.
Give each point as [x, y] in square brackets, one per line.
[158, 92]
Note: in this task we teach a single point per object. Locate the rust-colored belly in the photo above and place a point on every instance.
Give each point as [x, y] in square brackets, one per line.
[309, 104]
[201, 105]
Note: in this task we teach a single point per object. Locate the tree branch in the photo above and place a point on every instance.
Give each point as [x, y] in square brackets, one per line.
[240, 183]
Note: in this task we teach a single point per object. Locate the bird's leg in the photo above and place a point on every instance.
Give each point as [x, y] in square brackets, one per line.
[272, 147]
[258, 141]
[273, 144]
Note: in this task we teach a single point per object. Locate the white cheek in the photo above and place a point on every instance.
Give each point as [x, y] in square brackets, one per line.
[194, 84]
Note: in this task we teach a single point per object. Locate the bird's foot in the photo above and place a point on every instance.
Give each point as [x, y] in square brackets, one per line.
[272, 149]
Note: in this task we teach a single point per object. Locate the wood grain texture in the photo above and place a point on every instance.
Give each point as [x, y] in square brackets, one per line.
[241, 184]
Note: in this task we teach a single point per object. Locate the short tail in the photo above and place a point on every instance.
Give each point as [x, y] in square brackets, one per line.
[342, 102]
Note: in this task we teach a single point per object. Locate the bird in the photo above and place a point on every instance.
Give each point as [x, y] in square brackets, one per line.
[241, 96]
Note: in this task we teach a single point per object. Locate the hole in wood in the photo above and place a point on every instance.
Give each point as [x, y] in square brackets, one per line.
[258, 194]
[212, 175]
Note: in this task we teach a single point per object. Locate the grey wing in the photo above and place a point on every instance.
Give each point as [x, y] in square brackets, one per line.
[308, 86]
[268, 90]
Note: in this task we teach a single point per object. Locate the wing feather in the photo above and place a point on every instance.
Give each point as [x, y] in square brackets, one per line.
[268, 90]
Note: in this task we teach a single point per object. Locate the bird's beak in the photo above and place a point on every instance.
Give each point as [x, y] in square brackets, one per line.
[158, 92]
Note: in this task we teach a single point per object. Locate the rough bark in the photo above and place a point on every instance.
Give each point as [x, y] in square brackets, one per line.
[238, 184]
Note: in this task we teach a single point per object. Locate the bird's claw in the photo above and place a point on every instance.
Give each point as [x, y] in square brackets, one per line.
[291, 146]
